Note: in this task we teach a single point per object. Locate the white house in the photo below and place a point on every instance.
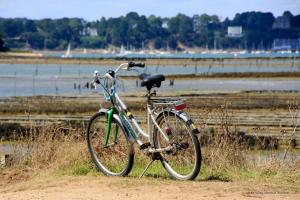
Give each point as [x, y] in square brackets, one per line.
[234, 31]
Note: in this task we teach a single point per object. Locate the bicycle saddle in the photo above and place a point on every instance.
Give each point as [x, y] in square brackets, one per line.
[149, 81]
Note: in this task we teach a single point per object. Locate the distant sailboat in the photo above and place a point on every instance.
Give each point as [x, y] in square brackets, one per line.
[68, 52]
[84, 51]
[122, 51]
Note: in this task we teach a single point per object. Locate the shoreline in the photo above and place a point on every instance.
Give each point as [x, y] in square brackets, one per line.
[25, 58]
[246, 75]
[293, 63]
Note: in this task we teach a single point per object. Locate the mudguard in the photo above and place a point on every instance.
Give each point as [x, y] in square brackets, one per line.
[184, 116]
[103, 111]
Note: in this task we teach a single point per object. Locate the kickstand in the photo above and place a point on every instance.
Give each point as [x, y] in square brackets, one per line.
[147, 167]
[155, 156]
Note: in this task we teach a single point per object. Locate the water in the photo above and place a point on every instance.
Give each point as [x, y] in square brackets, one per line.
[73, 70]
[60, 79]
[28, 86]
[182, 55]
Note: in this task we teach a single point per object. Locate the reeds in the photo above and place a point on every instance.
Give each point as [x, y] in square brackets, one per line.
[227, 154]
[61, 149]
[50, 148]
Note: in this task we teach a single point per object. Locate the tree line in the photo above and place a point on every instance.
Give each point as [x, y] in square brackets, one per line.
[135, 31]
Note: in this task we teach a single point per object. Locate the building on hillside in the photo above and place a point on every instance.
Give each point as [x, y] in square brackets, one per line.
[286, 44]
[165, 23]
[89, 31]
[196, 24]
[282, 22]
[234, 31]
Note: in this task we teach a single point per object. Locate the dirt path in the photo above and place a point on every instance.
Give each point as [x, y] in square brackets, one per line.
[90, 188]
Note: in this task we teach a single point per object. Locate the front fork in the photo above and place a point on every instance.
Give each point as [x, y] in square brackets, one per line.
[130, 133]
[110, 114]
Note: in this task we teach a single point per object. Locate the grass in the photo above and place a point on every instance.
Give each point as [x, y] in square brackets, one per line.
[61, 150]
[278, 177]
[78, 163]
[79, 168]
[136, 102]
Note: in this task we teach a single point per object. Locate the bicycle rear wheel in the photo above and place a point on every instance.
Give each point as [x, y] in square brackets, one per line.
[116, 158]
[184, 161]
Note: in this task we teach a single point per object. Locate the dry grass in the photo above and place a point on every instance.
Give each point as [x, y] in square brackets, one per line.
[61, 149]
[227, 155]
[48, 149]
[136, 102]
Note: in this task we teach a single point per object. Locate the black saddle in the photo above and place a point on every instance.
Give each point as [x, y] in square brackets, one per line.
[149, 81]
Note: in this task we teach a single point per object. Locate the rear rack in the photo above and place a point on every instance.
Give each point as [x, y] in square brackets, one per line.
[169, 102]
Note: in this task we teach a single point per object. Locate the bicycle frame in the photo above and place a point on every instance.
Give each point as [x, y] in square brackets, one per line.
[131, 126]
[172, 137]
[130, 123]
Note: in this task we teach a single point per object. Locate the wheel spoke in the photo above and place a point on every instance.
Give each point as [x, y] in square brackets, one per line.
[111, 160]
[183, 162]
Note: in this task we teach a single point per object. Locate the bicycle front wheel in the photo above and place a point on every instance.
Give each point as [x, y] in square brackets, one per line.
[112, 155]
[184, 161]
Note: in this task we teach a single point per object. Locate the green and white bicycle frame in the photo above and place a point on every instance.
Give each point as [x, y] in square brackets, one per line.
[120, 112]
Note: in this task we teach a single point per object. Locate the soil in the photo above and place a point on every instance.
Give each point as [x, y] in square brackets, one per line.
[98, 187]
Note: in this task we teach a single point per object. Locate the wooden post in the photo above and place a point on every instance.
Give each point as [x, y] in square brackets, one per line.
[2, 160]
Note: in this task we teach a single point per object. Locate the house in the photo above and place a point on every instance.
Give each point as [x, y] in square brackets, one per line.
[196, 24]
[234, 31]
[286, 44]
[89, 31]
[282, 22]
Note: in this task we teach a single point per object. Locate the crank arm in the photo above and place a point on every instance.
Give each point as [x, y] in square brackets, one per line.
[160, 150]
[110, 145]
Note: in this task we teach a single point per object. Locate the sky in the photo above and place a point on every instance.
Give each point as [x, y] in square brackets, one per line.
[95, 9]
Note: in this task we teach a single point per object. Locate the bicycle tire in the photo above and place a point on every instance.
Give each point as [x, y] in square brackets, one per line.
[108, 159]
[172, 162]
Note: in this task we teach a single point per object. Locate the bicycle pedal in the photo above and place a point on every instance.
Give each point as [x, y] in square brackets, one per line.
[169, 152]
[145, 146]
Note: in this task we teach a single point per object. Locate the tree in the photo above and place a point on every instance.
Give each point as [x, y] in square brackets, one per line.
[295, 22]
[93, 42]
[2, 47]
[137, 31]
[1, 44]
[29, 26]
[12, 27]
[254, 20]
[287, 14]
[101, 26]
[35, 39]
[182, 27]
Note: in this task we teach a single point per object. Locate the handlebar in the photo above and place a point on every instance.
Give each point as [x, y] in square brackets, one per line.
[132, 64]
[110, 78]
[111, 74]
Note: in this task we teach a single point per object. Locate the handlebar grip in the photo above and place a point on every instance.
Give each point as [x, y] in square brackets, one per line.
[142, 65]
[133, 64]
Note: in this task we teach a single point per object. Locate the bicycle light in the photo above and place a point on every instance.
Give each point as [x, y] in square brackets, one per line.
[96, 73]
[180, 105]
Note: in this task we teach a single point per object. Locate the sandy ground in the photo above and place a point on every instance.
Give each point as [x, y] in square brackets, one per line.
[90, 188]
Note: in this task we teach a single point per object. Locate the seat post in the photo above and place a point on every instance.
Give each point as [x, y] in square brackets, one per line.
[149, 120]
[149, 95]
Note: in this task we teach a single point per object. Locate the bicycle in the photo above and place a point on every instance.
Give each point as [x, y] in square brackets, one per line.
[172, 138]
